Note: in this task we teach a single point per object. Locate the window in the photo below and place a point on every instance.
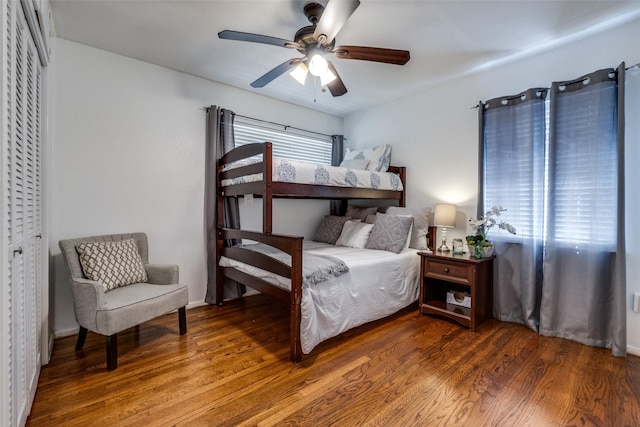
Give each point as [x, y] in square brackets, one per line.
[583, 156]
[514, 160]
[553, 164]
[288, 143]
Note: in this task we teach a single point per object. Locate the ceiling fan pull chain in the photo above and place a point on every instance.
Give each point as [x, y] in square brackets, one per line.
[315, 88]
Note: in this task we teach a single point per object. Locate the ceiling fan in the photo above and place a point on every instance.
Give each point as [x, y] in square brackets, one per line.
[315, 42]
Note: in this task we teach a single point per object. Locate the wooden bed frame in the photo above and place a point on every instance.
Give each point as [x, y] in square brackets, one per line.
[268, 189]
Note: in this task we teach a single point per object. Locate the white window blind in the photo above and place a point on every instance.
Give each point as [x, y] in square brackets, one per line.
[514, 167]
[288, 143]
[584, 190]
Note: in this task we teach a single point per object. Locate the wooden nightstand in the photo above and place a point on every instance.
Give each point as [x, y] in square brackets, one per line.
[458, 273]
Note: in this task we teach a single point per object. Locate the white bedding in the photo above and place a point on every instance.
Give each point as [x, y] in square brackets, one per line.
[319, 174]
[379, 283]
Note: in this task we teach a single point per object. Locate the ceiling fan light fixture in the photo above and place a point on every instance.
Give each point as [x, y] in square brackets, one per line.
[300, 73]
[318, 65]
[327, 77]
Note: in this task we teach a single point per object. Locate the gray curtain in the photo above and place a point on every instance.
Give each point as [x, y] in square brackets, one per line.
[563, 274]
[512, 159]
[338, 207]
[219, 140]
[584, 285]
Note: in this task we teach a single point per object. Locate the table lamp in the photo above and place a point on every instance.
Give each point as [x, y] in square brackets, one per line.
[444, 216]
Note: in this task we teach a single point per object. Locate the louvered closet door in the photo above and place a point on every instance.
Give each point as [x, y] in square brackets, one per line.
[22, 104]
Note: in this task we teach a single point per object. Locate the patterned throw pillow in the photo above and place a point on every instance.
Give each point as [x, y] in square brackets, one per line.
[113, 264]
[390, 233]
[330, 228]
[379, 157]
[420, 224]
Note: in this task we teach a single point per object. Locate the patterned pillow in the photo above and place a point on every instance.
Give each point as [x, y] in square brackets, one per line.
[379, 157]
[113, 264]
[390, 233]
[330, 228]
[420, 225]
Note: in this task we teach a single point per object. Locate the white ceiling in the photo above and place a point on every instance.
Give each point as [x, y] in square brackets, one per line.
[446, 38]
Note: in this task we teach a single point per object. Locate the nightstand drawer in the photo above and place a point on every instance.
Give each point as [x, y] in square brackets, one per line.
[445, 270]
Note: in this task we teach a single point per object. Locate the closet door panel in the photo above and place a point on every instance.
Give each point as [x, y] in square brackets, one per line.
[22, 260]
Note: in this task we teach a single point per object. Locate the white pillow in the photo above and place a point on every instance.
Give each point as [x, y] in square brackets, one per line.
[420, 225]
[354, 234]
[355, 164]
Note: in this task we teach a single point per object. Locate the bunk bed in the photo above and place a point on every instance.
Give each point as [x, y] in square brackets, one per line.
[248, 170]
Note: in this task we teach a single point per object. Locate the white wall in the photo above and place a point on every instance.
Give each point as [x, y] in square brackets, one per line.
[128, 155]
[434, 133]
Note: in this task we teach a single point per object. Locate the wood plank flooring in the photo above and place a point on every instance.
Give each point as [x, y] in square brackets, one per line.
[232, 369]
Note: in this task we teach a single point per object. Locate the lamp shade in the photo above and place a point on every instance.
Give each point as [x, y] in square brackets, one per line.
[318, 65]
[300, 73]
[444, 215]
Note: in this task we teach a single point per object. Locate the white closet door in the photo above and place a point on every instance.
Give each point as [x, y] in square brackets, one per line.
[21, 297]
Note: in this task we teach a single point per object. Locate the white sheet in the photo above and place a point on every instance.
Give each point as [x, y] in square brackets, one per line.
[379, 283]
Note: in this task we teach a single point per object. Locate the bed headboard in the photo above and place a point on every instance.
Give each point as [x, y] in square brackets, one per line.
[431, 238]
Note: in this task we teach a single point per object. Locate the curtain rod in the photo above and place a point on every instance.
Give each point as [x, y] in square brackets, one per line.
[284, 126]
[630, 67]
[279, 124]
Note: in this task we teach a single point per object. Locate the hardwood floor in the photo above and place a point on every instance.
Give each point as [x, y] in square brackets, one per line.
[232, 368]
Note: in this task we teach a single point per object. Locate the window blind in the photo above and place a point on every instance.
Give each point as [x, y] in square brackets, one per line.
[514, 159]
[583, 193]
[287, 144]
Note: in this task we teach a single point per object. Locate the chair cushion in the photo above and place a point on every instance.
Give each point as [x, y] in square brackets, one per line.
[137, 303]
[113, 264]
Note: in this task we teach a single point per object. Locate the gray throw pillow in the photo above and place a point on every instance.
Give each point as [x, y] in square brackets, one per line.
[390, 233]
[420, 224]
[330, 228]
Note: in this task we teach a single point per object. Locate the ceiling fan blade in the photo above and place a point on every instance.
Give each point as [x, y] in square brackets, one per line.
[336, 87]
[333, 19]
[375, 54]
[276, 72]
[257, 38]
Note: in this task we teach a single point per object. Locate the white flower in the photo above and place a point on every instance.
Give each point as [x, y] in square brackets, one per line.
[483, 225]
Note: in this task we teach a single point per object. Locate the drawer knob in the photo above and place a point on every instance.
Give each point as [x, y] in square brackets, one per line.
[446, 269]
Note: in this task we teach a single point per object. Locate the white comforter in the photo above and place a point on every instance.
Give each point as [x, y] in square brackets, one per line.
[378, 284]
[318, 174]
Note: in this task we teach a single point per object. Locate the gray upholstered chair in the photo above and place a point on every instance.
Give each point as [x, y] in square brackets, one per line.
[109, 312]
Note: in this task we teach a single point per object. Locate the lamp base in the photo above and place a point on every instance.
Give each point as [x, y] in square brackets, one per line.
[443, 247]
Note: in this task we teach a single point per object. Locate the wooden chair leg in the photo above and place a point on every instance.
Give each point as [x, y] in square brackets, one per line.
[182, 320]
[82, 336]
[112, 352]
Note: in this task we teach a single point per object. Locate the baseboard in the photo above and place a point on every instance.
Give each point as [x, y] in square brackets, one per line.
[52, 338]
[633, 350]
[66, 332]
[196, 304]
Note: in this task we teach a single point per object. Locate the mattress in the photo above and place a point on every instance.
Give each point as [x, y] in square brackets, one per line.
[320, 174]
[378, 284]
